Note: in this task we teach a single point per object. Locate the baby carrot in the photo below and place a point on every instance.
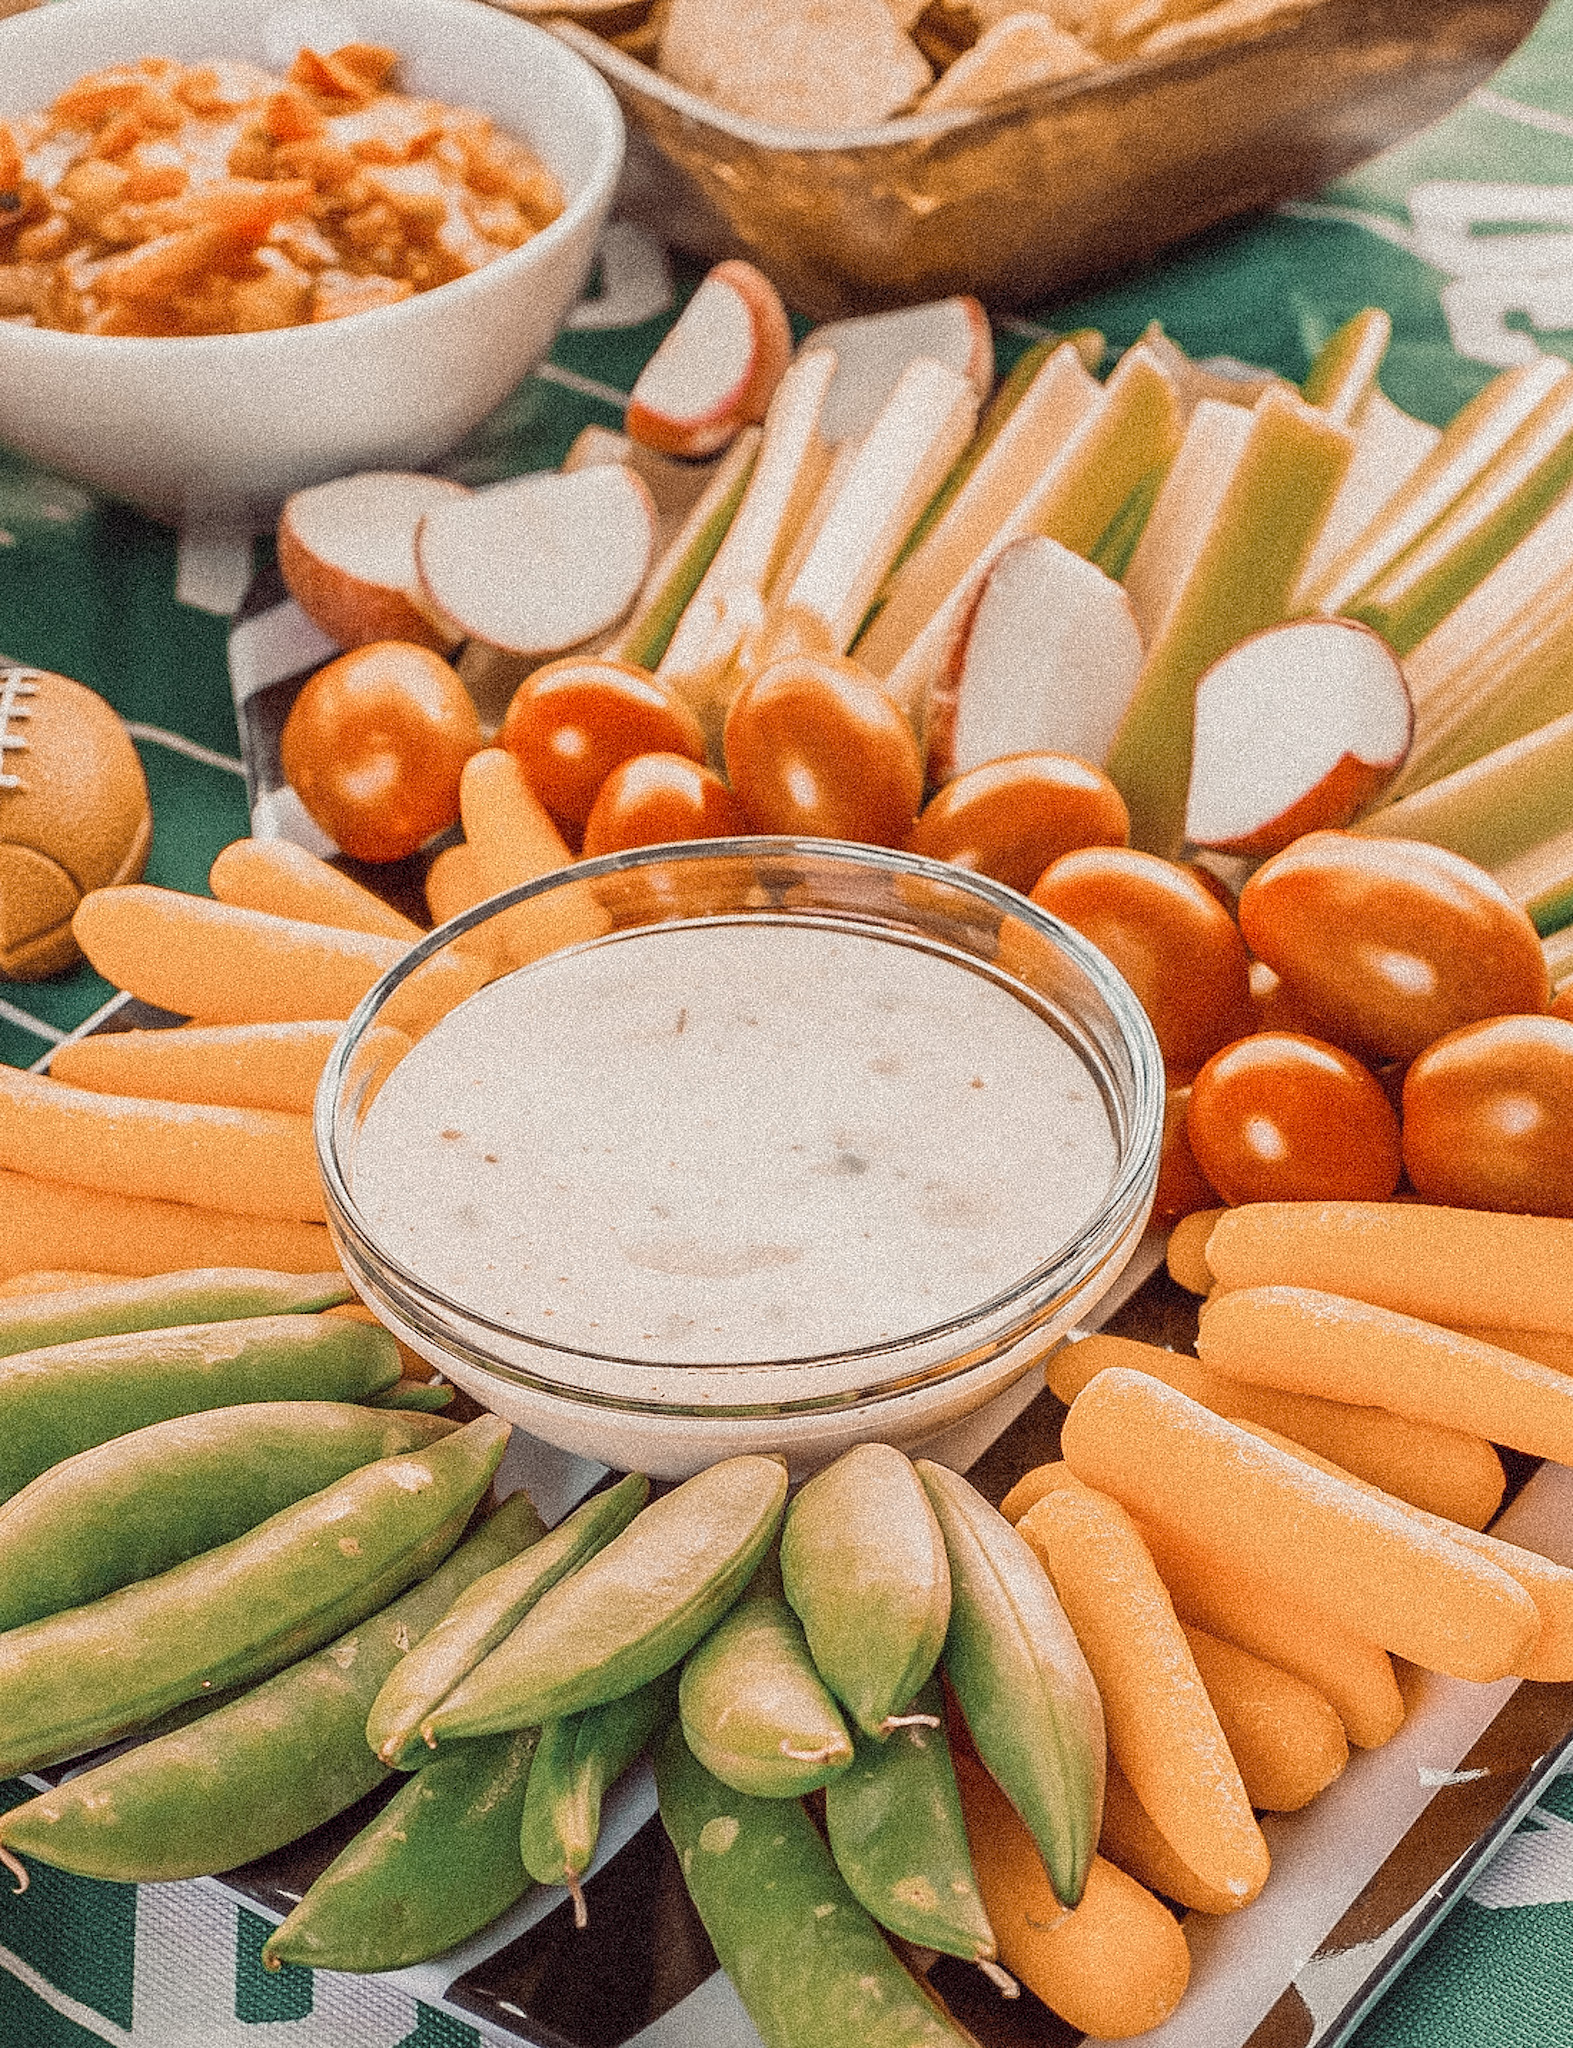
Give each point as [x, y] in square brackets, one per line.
[512, 839]
[247, 1162]
[1415, 1591]
[1116, 1966]
[54, 1282]
[1132, 1843]
[1187, 1251]
[1549, 1585]
[453, 883]
[1453, 1474]
[1286, 1738]
[1308, 1342]
[246, 1066]
[129, 1234]
[281, 877]
[1553, 1348]
[1163, 1731]
[1455, 1266]
[223, 965]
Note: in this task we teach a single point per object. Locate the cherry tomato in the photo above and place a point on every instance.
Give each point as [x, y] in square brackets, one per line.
[1562, 1003]
[575, 720]
[656, 798]
[1011, 817]
[1182, 1186]
[374, 744]
[1384, 945]
[815, 747]
[1168, 935]
[1488, 1117]
[1280, 1118]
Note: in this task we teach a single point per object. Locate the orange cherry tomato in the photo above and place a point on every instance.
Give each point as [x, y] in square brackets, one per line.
[1182, 1186]
[1488, 1117]
[1562, 1003]
[1011, 817]
[1168, 935]
[656, 798]
[815, 747]
[1384, 945]
[575, 720]
[1280, 1118]
[374, 744]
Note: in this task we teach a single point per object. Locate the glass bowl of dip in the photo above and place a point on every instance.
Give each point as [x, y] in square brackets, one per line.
[750, 1144]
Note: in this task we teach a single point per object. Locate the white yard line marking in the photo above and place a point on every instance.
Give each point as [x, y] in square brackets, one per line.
[177, 743]
[587, 387]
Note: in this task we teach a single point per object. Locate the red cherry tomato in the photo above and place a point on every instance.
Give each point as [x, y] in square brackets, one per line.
[815, 747]
[575, 720]
[656, 798]
[1182, 1186]
[1168, 935]
[1562, 1003]
[374, 744]
[1011, 817]
[1384, 945]
[1281, 1118]
[1488, 1117]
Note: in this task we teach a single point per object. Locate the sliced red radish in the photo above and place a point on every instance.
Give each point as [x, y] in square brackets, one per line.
[717, 369]
[874, 349]
[1296, 728]
[346, 551]
[541, 563]
[1045, 659]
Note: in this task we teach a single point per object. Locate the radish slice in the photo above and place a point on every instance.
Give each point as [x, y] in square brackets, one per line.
[874, 350]
[717, 369]
[346, 551]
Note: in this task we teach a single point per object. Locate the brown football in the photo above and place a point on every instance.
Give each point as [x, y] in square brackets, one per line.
[74, 814]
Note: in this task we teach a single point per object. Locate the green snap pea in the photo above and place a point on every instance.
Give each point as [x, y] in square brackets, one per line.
[636, 1609]
[898, 1837]
[485, 1614]
[438, 1863]
[810, 1965]
[213, 1294]
[863, 1564]
[430, 1396]
[578, 1758]
[142, 1503]
[242, 1610]
[68, 1397]
[755, 1711]
[1022, 1682]
[262, 1769]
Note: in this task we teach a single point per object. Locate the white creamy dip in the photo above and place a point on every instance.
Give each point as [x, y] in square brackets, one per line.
[730, 1143]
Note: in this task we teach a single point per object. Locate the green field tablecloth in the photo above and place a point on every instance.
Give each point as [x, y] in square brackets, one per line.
[1464, 234]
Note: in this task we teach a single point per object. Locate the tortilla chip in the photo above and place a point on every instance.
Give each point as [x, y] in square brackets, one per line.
[816, 64]
[1021, 50]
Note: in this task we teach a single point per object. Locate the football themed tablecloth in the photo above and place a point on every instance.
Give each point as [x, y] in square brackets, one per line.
[1465, 235]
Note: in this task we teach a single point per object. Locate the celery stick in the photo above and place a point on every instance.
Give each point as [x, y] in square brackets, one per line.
[1496, 809]
[1344, 372]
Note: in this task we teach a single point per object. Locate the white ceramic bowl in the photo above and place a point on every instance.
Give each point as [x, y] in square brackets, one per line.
[230, 424]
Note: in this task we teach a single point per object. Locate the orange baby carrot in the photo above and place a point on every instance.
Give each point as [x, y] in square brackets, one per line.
[1214, 1591]
[1457, 1266]
[55, 1283]
[1286, 1738]
[1553, 1348]
[1187, 1251]
[512, 839]
[278, 876]
[1133, 1844]
[453, 883]
[247, 1066]
[1307, 1342]
[1115, 1967]
[248, 1162]
[1163, 1730]
[1548, 1584]
[1453, 1474]
[126, 1234]
[1387, 1575]
[224, 965]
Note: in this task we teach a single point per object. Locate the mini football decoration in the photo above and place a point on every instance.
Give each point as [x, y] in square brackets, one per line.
[74, 814]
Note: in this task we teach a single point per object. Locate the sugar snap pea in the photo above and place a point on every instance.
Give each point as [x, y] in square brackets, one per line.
[484, 1615]
[242, 1610]
[437, 1864]
[863, 1564]
[896, 1832]
[68, 1397]
[633, 1611]
[809, 1964]
[577, 1759]
[1023, 1684]
[755, 1711]
[133, 1507]
[261, 1770]
[211, 1294]
[430, 1396]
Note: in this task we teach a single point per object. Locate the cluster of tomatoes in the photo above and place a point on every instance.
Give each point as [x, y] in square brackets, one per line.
[1368, 1011]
